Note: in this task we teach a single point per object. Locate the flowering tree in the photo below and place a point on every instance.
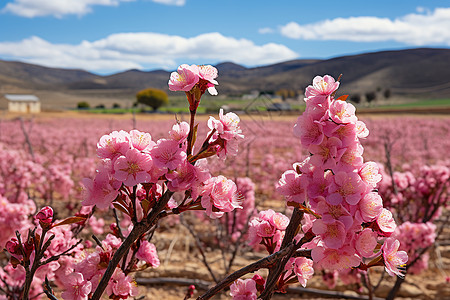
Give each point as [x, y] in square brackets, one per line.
[338, 221]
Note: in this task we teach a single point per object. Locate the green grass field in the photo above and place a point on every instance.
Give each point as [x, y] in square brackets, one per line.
[213, 104]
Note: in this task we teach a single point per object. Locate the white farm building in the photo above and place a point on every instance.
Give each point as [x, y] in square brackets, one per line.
[23, 103]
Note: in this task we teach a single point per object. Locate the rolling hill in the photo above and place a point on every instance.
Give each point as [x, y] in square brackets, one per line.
[421, 72]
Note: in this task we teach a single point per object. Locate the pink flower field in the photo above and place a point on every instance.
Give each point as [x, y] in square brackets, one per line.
[45, 161]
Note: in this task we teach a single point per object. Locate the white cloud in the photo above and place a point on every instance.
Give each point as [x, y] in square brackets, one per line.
[430, 28]
[60, 8]
[57, 8]
[145, 50]
[171, 2]
[266, 30]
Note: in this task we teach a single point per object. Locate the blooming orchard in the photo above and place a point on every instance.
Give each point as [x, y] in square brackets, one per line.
[339, 222]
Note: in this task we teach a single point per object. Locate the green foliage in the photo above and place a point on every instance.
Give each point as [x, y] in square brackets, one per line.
[83, 105]
[100, 106]
[116, 105]
[154, 98]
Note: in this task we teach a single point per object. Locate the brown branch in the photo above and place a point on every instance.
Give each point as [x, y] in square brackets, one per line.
[262, 263]
[276, 270]
[138, 229]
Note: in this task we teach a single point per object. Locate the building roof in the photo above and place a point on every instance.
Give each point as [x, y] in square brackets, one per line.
[20, 98]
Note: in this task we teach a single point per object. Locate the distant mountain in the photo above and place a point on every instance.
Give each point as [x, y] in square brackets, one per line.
[423, 71]
[38, 77]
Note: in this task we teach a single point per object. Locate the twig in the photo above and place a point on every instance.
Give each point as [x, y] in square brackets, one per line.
[116, 217]
[200, 284]
[199, 247]
[56, 257]
[27, 138]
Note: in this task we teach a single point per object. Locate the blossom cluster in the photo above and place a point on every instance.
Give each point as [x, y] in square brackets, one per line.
[414, 237]
[419, 193]
[336, 183]
[336, 188]
[267, 229]
[136, 173]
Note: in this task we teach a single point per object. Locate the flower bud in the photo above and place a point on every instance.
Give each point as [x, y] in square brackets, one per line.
[260, 282]
[45, 215]
[12, 246]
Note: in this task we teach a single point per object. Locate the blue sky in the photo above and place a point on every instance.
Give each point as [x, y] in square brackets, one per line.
[107, 36]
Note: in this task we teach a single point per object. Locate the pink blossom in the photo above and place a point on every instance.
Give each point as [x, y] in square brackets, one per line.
[365, 242]
[183, 177]
[113, 145]
[394, 260]
[293, 186]
[209, 73]
[121, 285]
[346, 186]
[333, 234]
[133, 168]
[228, 128]
[370, 206]
[369, 173]
[219, 196]
[335, 259]
[308, 130]
[303, 269]
[100, 192]
[327, 153]
[361, 129]
[325, 85]
[386, 222]
[96, 225]
[280, 221]
[342, 112]
[317, 107]
[45, 215]
[184, 78]
[141, 141]
[265, 229]
[243, 289]
[76, 287]
[227, 133]
[147, 252]
[167, 154]
[319, 184]
[351, 159]
[346, 133]
[334, 212]
[179, 132]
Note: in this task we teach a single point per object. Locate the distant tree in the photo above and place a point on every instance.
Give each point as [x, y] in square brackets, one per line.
[100, 106]
[370, 96]
[283, 93]
[387, 93]
[356, 98]
[154, 98]
[116, 105]
[83, 105]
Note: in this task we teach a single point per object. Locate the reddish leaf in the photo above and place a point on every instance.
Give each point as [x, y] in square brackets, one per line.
[70, 220]
[121, 208]
[343, 97]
